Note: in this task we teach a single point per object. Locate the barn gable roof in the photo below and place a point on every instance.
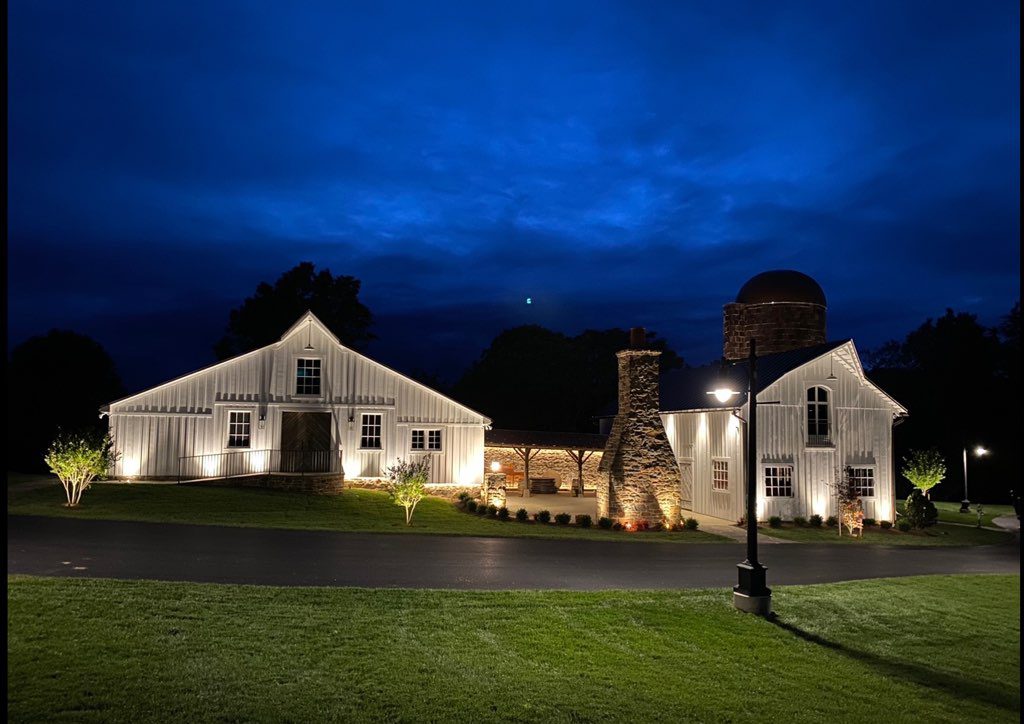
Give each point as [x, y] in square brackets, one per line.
[687, 389]
[300, 325]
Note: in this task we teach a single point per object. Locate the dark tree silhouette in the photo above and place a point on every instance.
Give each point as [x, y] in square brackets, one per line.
[533, 378]
[267, 314]
[55, 381]
[961, 382]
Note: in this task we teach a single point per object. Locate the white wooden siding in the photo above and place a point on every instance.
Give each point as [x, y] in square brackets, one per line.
[188, 416]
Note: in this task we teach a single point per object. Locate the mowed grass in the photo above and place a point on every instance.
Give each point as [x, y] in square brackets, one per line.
[950, 512]
[354, 510]
[916, 649]
[936, 535]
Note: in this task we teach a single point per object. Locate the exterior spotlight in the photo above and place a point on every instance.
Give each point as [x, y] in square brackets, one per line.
[495, 466]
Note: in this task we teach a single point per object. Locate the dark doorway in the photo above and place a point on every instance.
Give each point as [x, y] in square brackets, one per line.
[306, 442]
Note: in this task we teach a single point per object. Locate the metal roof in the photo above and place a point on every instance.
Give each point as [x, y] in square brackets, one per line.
[545, 440]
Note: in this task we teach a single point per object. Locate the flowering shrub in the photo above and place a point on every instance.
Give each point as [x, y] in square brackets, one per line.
[407, 480]
[851, 508]
[924, 469]
[77, 459]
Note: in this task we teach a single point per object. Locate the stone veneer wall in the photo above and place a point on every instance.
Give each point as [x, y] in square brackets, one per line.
[547, 464]
[642, 481]
[777, 327]
[331, 484]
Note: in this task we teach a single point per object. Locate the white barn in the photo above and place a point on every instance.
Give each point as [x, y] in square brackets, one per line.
[817, 414]
[304, 402]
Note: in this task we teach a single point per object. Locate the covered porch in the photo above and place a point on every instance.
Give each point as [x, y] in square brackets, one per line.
[544, 464]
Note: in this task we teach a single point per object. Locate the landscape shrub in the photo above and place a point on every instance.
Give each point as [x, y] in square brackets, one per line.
[406, 486]
[904, 525]
[617, 525]
[492, 510]
[919, 511]
[522, 515]
[481, 509]
[563, 518]
[775, 521]
[463, 497]
[584, 520]
[605, 523]
[658, 527]
[471, 506]
[543, 516]
[886, 524]
[831, 521]
[869, 521]
[691, 524]
[78, 458]
[800, 521]
[742, 522]
[503, 513]
[641, 525]
[816, 521]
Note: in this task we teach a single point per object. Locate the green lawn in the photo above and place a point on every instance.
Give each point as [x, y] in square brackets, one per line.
[353, 510]
[936, 649]
[937, 535]
[950, 512]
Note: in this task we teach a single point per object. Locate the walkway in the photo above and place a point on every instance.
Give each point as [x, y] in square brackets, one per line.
[132, 550]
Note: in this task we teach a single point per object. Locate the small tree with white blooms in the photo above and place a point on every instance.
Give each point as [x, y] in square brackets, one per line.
[78, 458]
[924, 469]
[407, 480]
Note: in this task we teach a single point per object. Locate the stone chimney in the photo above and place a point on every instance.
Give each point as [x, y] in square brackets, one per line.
[641, 480]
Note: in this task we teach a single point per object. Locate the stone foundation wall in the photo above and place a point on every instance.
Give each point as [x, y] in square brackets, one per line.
[547, 464]
[493, 491]
[315, 484]
[777, 327]
[643, 480]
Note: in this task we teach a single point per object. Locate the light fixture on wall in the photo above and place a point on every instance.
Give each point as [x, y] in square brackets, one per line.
[262, 421]
[831, 369]
[309, 335]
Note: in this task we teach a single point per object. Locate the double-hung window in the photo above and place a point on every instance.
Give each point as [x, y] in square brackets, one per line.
[239, 428]
[863, 481]
[307, 376]
[720, 475]
[370, 433]
[778, 481]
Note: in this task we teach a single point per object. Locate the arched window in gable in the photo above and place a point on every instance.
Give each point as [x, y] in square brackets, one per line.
[819, 431]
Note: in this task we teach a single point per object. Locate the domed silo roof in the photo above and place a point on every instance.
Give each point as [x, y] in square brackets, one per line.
[781, 285]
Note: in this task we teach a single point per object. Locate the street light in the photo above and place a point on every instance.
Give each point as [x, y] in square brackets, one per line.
[752, 594]
[979, 451]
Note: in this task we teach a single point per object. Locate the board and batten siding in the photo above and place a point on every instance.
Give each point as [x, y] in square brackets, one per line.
[189, 416]
[861, 421]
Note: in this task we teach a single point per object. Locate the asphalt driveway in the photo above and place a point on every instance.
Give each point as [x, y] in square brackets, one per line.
[132, 550]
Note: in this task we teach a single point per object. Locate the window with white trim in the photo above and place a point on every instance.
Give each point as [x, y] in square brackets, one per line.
[817, 416]
[425, 440]
[778, 481]
[239, 428]
[720, 475]
[863, 481]
[370, 434]
[307, 376]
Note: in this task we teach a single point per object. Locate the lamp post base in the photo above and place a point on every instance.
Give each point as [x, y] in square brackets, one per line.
[965, 506]
[752, 595]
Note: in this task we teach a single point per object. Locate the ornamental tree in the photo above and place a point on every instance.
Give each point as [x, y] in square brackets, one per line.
[851, 508]
[78, 458]
[407, 480]
[924, 469]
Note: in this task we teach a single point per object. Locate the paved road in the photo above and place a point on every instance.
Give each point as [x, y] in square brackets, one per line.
[116, 549]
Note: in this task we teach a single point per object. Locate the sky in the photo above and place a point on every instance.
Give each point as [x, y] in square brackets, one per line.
[619, 163]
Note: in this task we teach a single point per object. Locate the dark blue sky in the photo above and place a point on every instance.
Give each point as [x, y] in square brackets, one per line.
[620, 163]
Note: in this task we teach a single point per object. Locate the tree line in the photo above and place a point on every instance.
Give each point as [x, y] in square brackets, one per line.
[959, 379]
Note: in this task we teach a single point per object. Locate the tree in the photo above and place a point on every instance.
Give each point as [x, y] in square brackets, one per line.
[78, 458]
[272, 309]
[924, 469]
[849, 503]
[919, 511]
[407, 480]
[538, 379]
[55, 381]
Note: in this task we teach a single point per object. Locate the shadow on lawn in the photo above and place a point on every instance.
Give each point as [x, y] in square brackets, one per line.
[913, 673]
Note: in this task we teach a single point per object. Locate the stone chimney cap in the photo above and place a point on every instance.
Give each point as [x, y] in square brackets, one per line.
[637, 338]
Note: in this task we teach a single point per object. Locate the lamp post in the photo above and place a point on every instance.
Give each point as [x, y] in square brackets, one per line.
[751, 594]
[965, 504]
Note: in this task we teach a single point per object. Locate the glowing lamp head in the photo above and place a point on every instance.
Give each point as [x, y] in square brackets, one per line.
[723, 394]
[980, 451]
[495, 466]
